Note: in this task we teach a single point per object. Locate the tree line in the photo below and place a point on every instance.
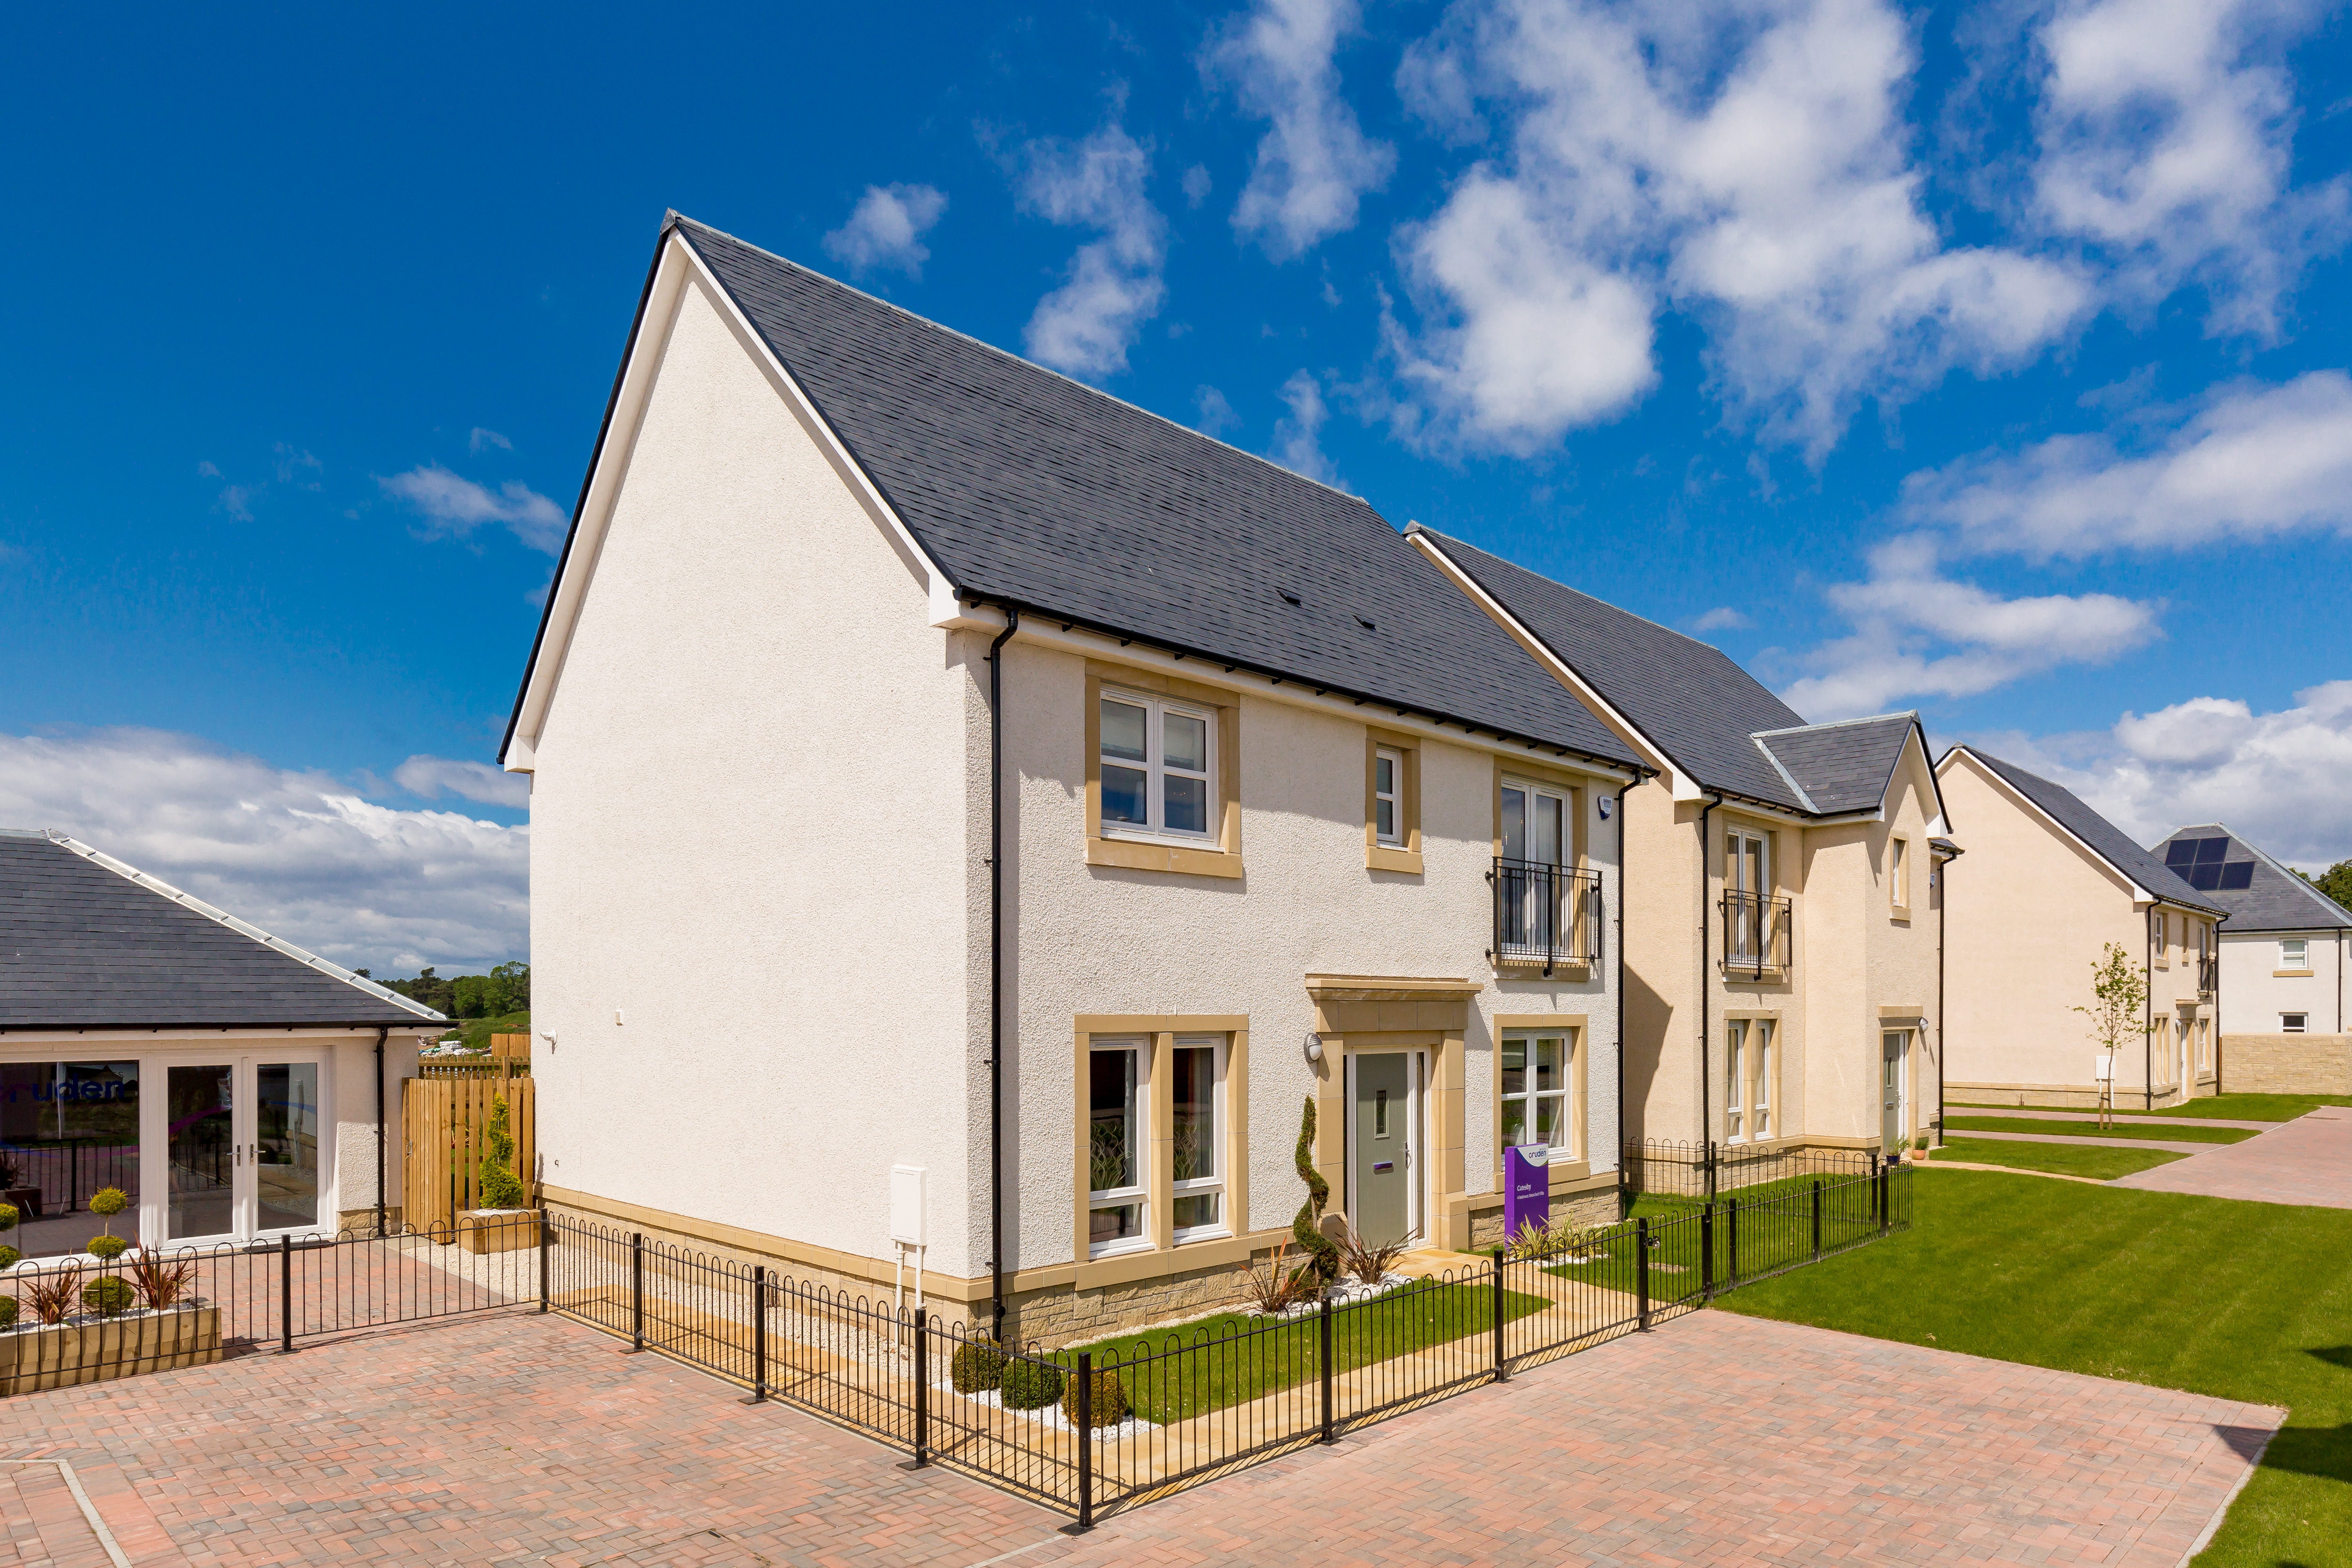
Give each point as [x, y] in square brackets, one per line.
[504, 990]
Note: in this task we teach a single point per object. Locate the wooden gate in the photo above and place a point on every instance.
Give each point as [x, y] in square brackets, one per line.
[444, 1125]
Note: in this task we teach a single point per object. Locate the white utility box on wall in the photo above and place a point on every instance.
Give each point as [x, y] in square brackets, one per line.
[907, 1205]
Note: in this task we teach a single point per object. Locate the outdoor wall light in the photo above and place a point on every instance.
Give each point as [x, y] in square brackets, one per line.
[1314, 1046]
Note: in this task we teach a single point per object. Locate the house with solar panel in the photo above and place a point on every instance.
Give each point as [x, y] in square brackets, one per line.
[2286, 963]
[2048, 885]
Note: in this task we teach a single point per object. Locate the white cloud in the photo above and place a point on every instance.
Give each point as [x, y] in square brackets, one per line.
[2165, 131]
[1114, 284]
[1217, 414]
[205, 470]
[237, 500]
[1722, 618]
[1297, 435]
[456, 506]
[428, 776]
[2252, 462]
[1747, 164]
[299, 854]
[1196, 184]
[290, 461]
[886, 228]
[2276, 778]
[1916, 632]
[1314, 161]
[482, 440]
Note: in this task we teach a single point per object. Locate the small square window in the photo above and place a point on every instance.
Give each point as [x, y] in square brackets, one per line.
[2294, 953]
[2291, 1023]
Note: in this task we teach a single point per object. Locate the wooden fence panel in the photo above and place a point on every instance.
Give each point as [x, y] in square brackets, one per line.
[446, 1126]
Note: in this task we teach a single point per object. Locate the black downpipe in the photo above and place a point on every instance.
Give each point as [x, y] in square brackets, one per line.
[2147, 1005]
[996, 970]
[382, 1033]
[1706, 1021]
[1624, 893]
[1943, 924]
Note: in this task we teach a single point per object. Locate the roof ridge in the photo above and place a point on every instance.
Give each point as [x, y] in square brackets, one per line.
[2294, 879]
[156, 884]
[1803, 794]
[674, 218]
[1911, 713]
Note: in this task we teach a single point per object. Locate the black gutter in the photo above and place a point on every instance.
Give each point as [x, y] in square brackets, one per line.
[81, 1027]
[996, 970]
[382, 1034]
[1625, 856]
[1706, 946]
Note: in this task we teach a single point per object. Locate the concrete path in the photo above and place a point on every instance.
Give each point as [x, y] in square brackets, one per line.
[2307, 1161]
[2132, 1142]
[1719, 1439]
[2093, 1115]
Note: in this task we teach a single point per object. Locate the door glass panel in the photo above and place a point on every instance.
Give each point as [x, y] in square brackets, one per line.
[68, 1129]
[1547, 835]
[286, 1147]
[1112, 1141]
[1514, 825]
[202, 1166]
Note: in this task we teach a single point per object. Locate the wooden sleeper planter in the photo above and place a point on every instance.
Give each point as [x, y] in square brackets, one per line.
[482, 1231]
[90, 1349]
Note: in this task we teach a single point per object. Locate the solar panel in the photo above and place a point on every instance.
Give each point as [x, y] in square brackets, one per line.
[2180, 852]
[2212, 849]
[2241, 875]
[2205, 878]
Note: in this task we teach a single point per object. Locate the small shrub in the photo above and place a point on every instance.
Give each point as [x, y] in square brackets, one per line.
[10, 1257]
[976, 1366]
[51, 1296]
[1282, 1286]
[109, 1296]
[162, 1284]
[1109, 1407]
[107, 1202]
[1367, 1262]
[108, 1247]
[8, 1214]
[497, 1184]
[1029, 1385]
[7, 1311]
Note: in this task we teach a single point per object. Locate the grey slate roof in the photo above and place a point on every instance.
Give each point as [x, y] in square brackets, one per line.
[1028, 487]
[1843, 766]
[2275, 898]
[84, 946]
[2106, 840]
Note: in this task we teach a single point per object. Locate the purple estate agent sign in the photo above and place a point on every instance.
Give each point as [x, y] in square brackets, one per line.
[1526, 1189]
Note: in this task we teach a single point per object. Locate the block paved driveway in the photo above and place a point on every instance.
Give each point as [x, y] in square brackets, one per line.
[2306, 1161]
[1717, 1439]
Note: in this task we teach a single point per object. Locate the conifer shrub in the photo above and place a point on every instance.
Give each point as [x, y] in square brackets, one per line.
[499, 1187]
[1108, 1400]
[107, 1296]
[1029, 1385]
[108, 1247]
[975, 1366]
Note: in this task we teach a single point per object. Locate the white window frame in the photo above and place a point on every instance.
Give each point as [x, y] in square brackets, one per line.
[1898, 874]
[1530, 793]
[1156, 769]
[1749, 1111]
[1140, 1193]
[1735, 861]
[2294, 1023]
[2294, 953]
[1392, 797]
[1568, 1037]
[1219, 1149]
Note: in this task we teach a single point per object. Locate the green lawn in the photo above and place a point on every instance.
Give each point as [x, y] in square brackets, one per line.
[2218, 1107]
[2169, 1133]
[2065, 1159]
[2243, 1301]
[1231, 1370]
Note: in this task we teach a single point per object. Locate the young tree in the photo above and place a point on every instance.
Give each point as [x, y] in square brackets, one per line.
[2119, 1005]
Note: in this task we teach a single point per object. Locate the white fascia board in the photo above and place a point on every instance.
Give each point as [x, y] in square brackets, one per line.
[678, 266]
[1681, 785]
[1210, 671]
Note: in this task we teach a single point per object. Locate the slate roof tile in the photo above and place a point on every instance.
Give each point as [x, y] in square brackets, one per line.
[2106, 840]
[1846, 766]
[2275, 899]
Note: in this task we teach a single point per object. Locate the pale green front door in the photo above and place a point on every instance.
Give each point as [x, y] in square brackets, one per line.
[1380, 1174]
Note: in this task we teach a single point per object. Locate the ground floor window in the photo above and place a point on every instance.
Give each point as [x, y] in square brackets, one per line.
[1535, 1076]
[2293, 1023]
[1197, 1090]
[69, 1130]
[1117, 1074]
[1748, 1080]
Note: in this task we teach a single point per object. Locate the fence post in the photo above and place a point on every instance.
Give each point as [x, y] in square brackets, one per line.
[1817, 1219]
[1502, 1366]
[1881, 1199]
[1331, 1432]
[1731, 1244]
[922, 1386]
[1641, 1267]
[1086, 1439]
[759, 1340]
[1711, 1158]
[1707, 1252]
[636, 1291]
[285, 1295]
[546, 1241]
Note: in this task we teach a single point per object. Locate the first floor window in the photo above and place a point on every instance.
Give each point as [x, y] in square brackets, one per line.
[1388, 795]
[2294, 953]
[1898, 874]
[1747, 1081]
[1535, 1088]
[1155, 765]
[2291, 1023]
[1116, 1074]
[1197, 1091]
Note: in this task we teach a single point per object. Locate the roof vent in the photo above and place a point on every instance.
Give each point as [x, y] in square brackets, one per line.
[1287, 597]
[1366, 624]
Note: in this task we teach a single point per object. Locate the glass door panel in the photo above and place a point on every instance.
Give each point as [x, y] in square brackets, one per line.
[200, 1142]
[286, 1144]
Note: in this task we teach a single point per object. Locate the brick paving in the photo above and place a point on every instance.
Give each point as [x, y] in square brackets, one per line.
[44, 1523]
[515, 1440]
[2307, 1161]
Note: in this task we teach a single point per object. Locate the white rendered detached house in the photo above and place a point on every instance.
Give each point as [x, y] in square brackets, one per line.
[972, 817]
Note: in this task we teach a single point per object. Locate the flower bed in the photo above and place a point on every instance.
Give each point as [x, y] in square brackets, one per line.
[87, 1348]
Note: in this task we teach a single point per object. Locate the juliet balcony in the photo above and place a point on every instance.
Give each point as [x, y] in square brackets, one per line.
[1755, 942]
[1545, 916]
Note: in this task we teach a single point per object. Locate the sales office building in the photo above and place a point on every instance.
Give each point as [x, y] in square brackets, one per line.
[1284, 817]
[223, 1080]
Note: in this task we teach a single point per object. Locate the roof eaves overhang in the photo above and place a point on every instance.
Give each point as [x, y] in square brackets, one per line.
[213, 1026]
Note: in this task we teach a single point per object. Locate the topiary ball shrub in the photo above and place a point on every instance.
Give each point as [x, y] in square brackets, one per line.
[10, 1257]
[1108, 1405]
[7, 1311]
[1030, 1385]
[975, 1367]
[109, 1297]
[8, 1215]
[109, 1246]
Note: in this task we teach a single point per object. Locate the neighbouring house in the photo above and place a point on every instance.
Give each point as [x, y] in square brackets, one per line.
[2286, 949]
[972, 817]
[235, 1086]
[2049, 886]
[1785, 913]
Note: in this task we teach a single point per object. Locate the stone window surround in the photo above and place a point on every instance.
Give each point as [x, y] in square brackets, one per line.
[1222, 857]
[1164, 1255]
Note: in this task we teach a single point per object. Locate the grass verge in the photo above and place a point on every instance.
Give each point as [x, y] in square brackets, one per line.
[2064, 1159]
[2218, 1107]
[1234, 1364]
[2243, 1301]
[2126, 1131]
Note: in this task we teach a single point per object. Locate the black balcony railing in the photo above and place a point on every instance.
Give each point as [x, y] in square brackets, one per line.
[1755, 934]
[1545, 914]
[2208, 975]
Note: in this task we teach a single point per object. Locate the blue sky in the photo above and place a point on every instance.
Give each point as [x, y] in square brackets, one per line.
[1987, 359]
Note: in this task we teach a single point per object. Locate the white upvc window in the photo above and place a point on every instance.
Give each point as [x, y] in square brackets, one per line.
[1197, 1094]
[1118, 1079]
[2294, 953]
[1158, 765]
[1537, 1069]
[1748, 1080]
[1898, 872]
[1388, 796]
[2293, 1023]
[1747, 876]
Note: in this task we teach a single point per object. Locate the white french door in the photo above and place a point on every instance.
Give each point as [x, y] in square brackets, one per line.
[241, 1141]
